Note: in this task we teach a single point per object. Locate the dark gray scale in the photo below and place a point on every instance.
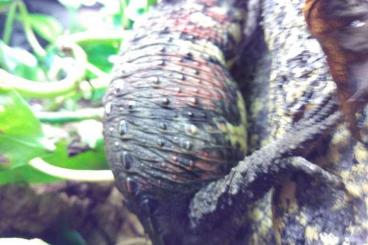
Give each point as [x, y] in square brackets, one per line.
[172, 107]
[127, 160]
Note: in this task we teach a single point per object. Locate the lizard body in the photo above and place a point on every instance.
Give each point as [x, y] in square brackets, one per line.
[174, 126]
[172, 84]
[174, 118]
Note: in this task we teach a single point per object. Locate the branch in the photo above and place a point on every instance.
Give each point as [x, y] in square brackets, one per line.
[48, 89]
[228, 197]
[31, 37]
[89, 36]
[8, 27]
[69, 116]
[72, 174]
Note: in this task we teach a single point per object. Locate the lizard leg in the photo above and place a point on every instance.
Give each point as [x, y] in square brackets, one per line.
[147, 205]
[224, 200]
[305, 166]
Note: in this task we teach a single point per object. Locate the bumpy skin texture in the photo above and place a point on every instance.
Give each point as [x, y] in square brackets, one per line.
[163, 195]
[305, 210]
[174, 119]
[173, 112]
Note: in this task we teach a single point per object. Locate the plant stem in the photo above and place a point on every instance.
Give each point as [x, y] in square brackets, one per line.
[89, 36]
[149, 4]
[124, 18]
[8, 29]
[95, 70]
[71, 174]
[69, 116]
[94, 84]
[31, 37]
[30, 88]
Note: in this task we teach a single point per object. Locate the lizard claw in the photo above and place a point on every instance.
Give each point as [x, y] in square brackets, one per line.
[307, 167]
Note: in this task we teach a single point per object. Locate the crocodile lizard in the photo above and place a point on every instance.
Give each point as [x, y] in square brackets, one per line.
[175, 121]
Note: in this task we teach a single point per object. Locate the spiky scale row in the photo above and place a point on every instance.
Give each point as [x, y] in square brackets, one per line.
[174, 119]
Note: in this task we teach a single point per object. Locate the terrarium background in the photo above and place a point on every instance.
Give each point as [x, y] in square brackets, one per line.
[48, 43]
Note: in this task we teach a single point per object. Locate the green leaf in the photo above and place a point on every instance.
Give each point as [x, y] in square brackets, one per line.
[19, 62]
[90, 159]
[20, 132]
[151, 2]
[45, 26]
[93, 158]
[99, 51]
[24, 174]
[4, 4]
[88, 153]
[21, 139]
